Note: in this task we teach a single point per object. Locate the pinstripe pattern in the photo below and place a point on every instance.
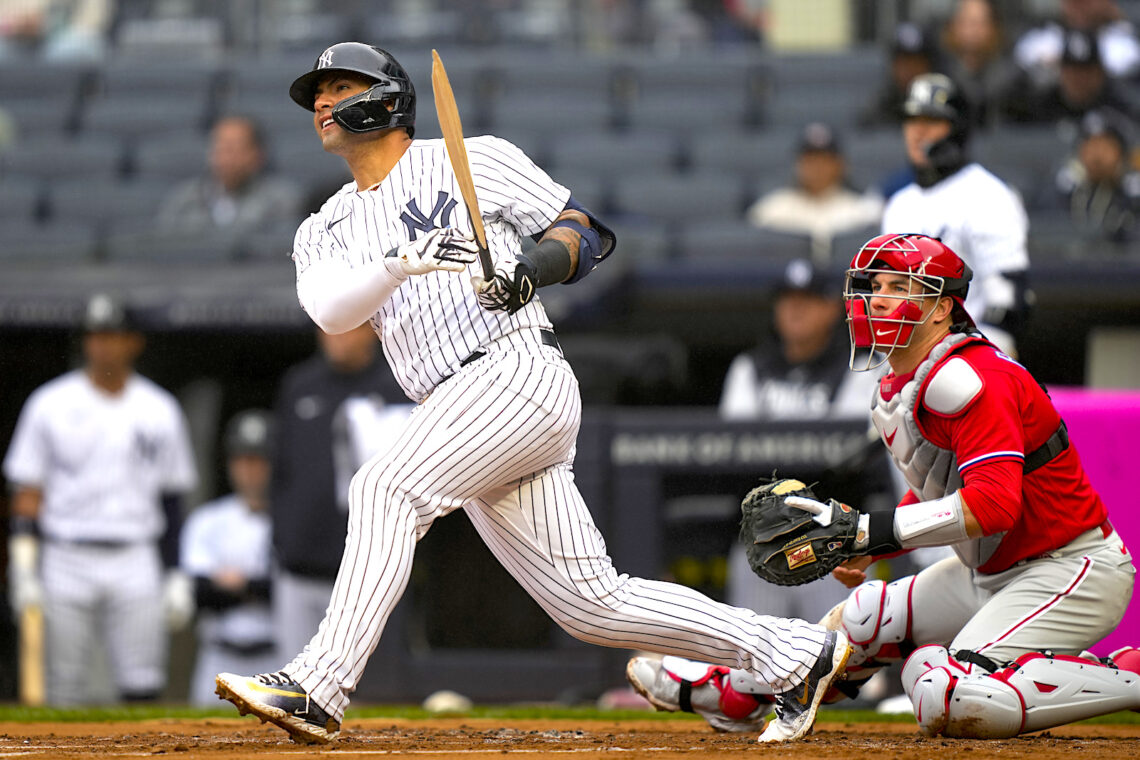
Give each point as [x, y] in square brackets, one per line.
[497, 439]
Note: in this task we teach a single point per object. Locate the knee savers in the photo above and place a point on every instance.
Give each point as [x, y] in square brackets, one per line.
[1036, 691]
[876, 619]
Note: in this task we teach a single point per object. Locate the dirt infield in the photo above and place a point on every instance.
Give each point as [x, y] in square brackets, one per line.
[221, 738]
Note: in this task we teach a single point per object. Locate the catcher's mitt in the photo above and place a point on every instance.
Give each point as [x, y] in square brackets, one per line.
[789, 546]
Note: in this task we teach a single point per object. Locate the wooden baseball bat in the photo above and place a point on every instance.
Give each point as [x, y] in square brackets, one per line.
[452, 129]
[32, 690]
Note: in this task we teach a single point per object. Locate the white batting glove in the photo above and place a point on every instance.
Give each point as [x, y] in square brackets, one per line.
[178, 604]
[442, 248]
[24, 587]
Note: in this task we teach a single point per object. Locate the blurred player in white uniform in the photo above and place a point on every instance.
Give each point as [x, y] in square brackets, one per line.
[226, 551]
[100, 461]
[966, 207]
[494, 433]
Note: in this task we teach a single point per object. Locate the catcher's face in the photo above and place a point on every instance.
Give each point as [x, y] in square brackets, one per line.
[884, 309]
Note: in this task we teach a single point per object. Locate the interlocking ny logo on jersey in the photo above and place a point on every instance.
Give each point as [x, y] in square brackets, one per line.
[416, 221]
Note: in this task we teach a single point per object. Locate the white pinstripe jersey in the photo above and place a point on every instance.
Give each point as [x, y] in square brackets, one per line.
[433, 322]
[102, 461]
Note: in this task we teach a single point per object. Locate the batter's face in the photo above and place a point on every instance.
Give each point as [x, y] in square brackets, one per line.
[919, 133]
[330, 91]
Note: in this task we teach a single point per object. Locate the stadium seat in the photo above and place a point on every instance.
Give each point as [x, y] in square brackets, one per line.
[541, 73]
[92, 158]
[642, 243]
[127, 243]
[873, 156]
[845, 244]
[19, 201]
[551, 114]
[136, 75]
[675, 197]
[611, 156]
[67, 241]
[739, 240]
[105, 204]
[172, 156]
[835, 104]
[752, 153]
[34, 117]
[587, 187]
[275, 245]
[137, 116]
[860, 68]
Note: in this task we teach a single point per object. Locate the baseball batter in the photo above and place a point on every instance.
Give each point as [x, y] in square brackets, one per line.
[992, 637]
[97, 455]
[498, 409]
[958, 201]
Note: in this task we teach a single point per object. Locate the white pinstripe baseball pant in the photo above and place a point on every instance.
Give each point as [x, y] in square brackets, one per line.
[498, 440]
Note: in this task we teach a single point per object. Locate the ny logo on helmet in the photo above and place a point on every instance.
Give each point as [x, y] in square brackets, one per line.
[325, 60]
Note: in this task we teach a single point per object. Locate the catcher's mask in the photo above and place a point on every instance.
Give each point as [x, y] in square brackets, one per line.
[932, 271]
[391, 102]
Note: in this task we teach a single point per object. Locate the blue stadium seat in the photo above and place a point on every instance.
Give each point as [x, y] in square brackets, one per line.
[127, 243]
[551, 114]
[171, 156]
[134, 76]
[19, 201]
[610, 155]
[587, 187]
[873, 156]
[753, 153]
[137, 116]
[739, 241]
[92, 158]
[66, 241]
[671, 198]
[104, 204]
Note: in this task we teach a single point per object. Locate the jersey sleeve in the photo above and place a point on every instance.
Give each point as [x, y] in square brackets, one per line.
[998, 233]
[180, 474]
[195, 556]
[507, 180]
[29, 453]
[313, 243]
[988, 442]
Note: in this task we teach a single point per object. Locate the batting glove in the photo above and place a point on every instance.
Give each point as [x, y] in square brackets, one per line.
[24, 587]
[178, 605]
[443, 248]
[507, 292]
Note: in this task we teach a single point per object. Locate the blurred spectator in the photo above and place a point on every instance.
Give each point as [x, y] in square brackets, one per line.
[99, 463]
[333, 412]
[56, 30]
[800, 372]
[912, 52]
[1097, 188]
[970, 209]
[973, 43]
[1039, 50]
[237, 194]
[226, 550]
[821, 203]
[1083, 85]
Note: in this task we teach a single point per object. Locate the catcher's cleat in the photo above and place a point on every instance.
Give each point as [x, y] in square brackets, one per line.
[277, 698]
[796, 709]
[706, 691]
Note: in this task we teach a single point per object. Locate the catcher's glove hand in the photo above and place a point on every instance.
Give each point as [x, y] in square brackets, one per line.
[791, 538]
[507, 291]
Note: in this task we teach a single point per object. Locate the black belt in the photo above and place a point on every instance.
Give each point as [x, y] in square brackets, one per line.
[93, 543]
[546, 336]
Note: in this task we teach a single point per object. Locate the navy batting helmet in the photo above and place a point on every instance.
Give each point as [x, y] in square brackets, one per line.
[365, 112]
[936, 96]
[249, 432]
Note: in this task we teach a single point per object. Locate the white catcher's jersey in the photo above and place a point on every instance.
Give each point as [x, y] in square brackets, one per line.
[225, 534]
[433, 322]
[980, 218]
[102, 461]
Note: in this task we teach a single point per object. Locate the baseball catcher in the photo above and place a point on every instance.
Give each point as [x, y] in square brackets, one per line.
[994, 639]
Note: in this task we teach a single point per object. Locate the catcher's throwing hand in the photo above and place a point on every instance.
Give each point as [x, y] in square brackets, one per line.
[792, 538]
[507, 292]
[442, 248]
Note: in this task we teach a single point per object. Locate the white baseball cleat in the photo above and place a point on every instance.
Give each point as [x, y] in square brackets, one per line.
[675, 684]
[277, 698]
[796, 709]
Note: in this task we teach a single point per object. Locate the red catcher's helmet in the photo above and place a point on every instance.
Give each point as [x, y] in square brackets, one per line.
[934, 271]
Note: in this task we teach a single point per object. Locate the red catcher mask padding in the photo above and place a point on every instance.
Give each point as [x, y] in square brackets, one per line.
[877, 333]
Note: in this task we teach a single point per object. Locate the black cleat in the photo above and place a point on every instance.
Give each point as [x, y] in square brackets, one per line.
[796, 709]
[277, 698]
